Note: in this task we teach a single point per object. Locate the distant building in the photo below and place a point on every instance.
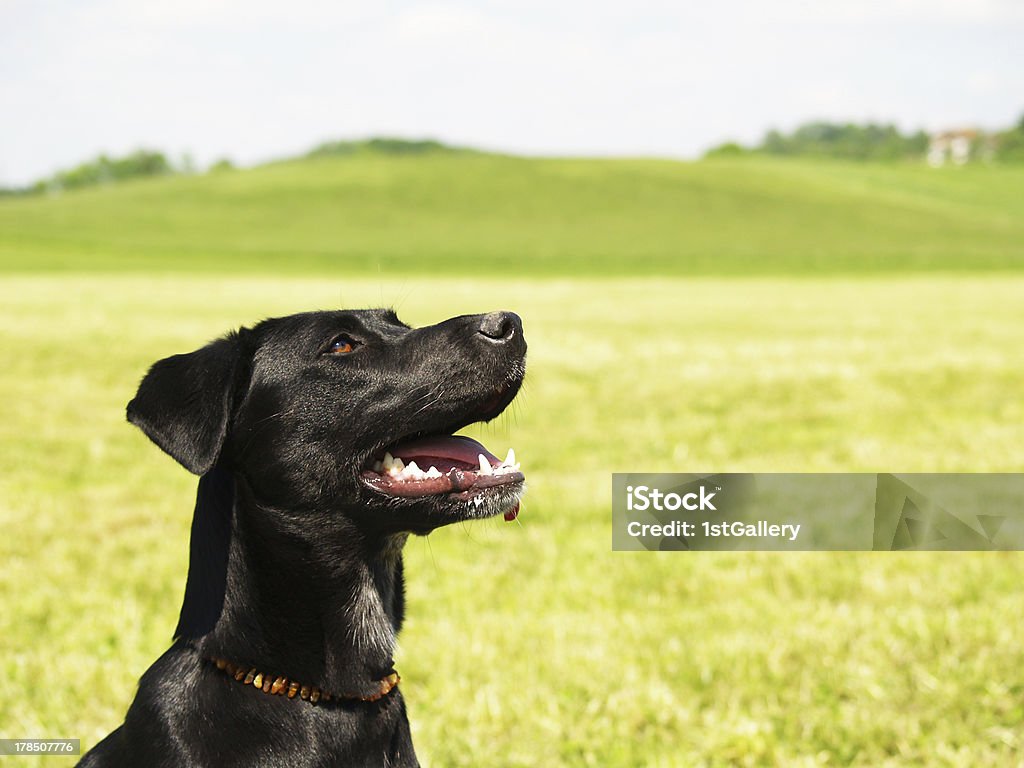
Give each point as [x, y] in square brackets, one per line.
[958, 147]
[951, 147]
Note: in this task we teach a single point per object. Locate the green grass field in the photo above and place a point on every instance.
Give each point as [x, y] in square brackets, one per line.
[533, 644]
[475, 215]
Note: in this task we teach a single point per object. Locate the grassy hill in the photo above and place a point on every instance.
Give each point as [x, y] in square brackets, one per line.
[470, 213]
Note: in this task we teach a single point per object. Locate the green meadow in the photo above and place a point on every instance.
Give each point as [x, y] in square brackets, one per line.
[740, 315]
[476, 214]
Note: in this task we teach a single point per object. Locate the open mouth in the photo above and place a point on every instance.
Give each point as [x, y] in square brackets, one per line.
[448, 464]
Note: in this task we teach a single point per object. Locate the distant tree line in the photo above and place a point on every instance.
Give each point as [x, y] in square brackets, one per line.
[384, 145]
[849, 141]
[105, 170]
[872, 141]
[1009, 144]
[147, 163]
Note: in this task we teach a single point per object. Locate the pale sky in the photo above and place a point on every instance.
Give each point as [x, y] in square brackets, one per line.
[255, 80]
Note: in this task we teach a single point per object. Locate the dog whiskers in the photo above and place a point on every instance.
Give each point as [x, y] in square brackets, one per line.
[431, 404]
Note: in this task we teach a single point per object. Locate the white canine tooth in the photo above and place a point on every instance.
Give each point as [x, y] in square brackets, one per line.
[485, 465]
[433, 472]
[389, 461]
[411, 470]
[397, 466]
[510, 459]
[378, 466]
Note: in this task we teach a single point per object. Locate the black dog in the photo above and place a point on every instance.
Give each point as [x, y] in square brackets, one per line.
[323, 440]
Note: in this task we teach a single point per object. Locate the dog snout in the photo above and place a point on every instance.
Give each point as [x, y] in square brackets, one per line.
[500, 327]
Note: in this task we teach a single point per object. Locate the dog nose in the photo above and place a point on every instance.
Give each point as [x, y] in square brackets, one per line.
[500, 327]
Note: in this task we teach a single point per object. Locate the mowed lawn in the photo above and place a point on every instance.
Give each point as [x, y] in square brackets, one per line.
[531, 643]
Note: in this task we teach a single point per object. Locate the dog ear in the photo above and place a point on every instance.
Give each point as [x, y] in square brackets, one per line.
[208, 555]
[184, 402]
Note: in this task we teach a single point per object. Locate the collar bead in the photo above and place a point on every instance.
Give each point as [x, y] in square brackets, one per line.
[282, 686]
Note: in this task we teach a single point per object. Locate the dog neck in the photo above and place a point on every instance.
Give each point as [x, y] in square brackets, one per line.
[307, 598]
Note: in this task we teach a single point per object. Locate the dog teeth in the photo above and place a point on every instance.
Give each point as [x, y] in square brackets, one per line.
[412, 472]
[399, 470]
[509, 465]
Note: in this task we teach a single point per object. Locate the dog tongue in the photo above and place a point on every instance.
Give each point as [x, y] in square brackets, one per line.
[456, 448]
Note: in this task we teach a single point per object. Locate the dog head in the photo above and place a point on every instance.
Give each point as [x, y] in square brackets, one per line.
[349, 412]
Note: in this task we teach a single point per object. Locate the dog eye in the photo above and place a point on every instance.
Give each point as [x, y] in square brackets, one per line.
[342, 345]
